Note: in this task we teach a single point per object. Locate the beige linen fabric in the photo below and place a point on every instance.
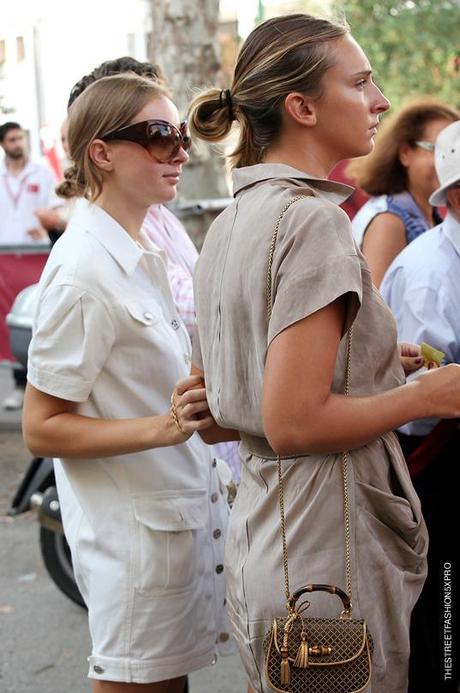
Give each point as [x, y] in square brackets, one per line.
[315, 261]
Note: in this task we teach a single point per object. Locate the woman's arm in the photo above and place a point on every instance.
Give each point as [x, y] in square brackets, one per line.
[300, 414]
[214, 433]
[51, 427]
[385, 237]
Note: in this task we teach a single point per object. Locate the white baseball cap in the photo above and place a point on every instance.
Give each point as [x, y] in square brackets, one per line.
[446, 161]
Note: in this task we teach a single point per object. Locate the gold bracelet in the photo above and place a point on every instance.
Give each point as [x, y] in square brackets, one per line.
[174, 417]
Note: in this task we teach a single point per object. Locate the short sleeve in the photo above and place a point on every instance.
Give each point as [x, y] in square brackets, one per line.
[314, 263]
[72, 338]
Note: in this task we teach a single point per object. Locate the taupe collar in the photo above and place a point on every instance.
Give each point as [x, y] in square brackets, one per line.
[251, 175]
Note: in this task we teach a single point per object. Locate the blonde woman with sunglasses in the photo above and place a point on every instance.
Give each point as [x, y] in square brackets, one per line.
[109, 395]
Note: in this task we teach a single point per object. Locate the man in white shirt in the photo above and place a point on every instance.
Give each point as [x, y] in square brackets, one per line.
[25, 186]
[422, 285]
[422, 288]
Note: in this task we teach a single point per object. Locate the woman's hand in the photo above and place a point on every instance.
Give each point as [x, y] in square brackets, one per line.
[411, 357]
[189, 409]
[440, 389]
[52, 428]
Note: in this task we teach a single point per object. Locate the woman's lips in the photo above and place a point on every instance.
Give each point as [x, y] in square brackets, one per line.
[172, 177]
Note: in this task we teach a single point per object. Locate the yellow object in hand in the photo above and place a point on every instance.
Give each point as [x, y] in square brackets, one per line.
[430, 354]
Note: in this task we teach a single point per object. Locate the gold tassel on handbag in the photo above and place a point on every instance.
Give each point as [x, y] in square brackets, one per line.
[317, 655]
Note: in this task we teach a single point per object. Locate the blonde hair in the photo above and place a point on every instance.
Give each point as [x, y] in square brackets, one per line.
[381, 172]
[106, 105]
[281, 55]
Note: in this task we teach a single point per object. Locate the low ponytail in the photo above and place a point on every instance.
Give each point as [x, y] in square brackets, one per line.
[211, 115]
[107, 104]
[73, 185]
[282, 55]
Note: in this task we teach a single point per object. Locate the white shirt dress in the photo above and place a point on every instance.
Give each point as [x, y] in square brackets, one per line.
[145, 529]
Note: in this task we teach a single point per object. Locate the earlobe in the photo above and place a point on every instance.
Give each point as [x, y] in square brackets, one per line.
[100, 154]
[404, 154]
[301, 109]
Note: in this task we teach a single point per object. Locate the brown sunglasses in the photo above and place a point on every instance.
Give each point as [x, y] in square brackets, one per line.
[161, 139]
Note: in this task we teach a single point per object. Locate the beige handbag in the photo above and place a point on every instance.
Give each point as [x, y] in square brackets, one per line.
[316, 655]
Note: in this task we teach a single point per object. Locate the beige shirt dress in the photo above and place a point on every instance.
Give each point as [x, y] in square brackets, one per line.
[315, 262]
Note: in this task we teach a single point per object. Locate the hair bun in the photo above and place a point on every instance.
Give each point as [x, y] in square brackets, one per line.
[73, 185]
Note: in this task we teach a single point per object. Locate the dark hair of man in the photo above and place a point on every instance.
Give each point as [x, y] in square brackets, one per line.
[116, 67]
[6, 127]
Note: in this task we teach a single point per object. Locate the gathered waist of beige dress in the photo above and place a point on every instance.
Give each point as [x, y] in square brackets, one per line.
[260, 447]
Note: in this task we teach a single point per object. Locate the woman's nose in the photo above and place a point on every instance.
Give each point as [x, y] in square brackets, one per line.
[182, 156]
[381, 103]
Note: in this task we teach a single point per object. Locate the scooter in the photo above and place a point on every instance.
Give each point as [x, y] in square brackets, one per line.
[38, 487]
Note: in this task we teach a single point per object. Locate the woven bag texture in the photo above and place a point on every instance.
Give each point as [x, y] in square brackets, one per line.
[348, 639]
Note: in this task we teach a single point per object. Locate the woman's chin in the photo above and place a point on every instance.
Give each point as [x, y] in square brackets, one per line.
[364, 150]
[169, 193]
[163, 197]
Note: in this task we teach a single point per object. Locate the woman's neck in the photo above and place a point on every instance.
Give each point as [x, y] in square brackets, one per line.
[129, 215]
[422, 203]
[310, 159]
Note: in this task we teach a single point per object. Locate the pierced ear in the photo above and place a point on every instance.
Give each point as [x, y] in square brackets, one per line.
[301, 108]
[101, 155]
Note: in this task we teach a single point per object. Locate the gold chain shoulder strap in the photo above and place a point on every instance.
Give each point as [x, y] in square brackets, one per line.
[346, 501]
[272, 250]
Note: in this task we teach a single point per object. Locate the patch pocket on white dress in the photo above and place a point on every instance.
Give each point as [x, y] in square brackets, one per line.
[166, 525]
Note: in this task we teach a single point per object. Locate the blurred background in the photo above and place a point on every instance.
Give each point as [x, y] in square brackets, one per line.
[47, 45]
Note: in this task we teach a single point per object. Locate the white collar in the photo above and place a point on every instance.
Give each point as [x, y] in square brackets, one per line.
[112, 236]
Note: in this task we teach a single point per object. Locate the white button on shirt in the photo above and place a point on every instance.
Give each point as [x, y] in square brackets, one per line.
[422, 288]
[20, 196]
[108, 336]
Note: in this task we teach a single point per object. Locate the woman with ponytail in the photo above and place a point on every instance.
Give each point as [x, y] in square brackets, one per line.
[272, 349]
[110, 396]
